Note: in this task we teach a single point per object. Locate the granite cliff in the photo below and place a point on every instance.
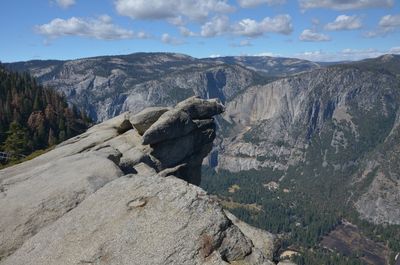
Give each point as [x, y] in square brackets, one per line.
[293, 132]
[331, 123]
[121, 194]
[109, 85]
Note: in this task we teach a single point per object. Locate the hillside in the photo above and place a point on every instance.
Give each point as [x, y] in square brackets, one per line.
[107, 86]
[269, 66]
[300, 152]
[34, 117]
[329, 139]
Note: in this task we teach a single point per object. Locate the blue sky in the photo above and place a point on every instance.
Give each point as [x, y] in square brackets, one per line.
[319, 30]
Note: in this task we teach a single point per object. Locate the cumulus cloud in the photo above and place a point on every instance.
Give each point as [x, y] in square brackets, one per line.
[344, 22]
[253, 3]
[387, 24]
[344, 55]
[161, 9]
[143, 35]
[309, 35]
[100, 28]
[185, 32]
[344, 4]
[65, 3]
[217, 26]
[390, 21]
[247, 27]
[168, 39]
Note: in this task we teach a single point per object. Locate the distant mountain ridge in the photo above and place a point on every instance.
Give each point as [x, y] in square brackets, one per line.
[327, 135]
[108, 85]
[270, 66]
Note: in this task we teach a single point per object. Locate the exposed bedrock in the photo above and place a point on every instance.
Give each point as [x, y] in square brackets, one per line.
[119, 194]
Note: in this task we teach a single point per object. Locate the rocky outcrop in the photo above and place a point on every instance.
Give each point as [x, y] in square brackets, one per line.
[104, 197]
[261, 239]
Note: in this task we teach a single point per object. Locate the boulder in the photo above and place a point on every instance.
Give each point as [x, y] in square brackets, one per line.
[172, 152]
[198, 108]
[144, 119]
[125, 125]
[172, 124]
[262, 240]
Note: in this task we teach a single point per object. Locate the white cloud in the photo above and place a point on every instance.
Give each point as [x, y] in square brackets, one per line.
[100, 28]
[65, 3]
[143, 35]
[177, 21]
[215, 27]
[253, 3]
[390, 21]
[387, 24]
[344, 4]
[166, 38]
[162, 9]
[395, 50]
[344, 55]
[185, 32]
[279, 24]
[309, 35]
[344, 22]
[247, 27]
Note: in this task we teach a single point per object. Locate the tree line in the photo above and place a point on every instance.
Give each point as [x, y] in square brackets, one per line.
[34, 117]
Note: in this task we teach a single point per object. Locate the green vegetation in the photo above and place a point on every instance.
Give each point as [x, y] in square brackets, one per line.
[304, 214]
[314, 196]
[33, 117]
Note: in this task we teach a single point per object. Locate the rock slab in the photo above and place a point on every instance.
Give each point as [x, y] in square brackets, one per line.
[105, 198]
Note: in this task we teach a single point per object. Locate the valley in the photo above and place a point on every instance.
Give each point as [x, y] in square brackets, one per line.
[328, 136]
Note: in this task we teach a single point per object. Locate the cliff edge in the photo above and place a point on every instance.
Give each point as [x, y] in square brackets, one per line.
[122, 193]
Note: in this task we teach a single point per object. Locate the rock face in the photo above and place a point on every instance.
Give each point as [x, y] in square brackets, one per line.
[270, 66]
[105, 198]
[338, 122]
[262, 240]
[311, 117]
[110, 85]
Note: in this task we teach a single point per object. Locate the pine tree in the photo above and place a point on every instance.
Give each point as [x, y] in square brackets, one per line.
[33, 117]
[17, 140]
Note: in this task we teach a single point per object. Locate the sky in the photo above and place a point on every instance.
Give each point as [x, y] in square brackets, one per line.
[317, 30]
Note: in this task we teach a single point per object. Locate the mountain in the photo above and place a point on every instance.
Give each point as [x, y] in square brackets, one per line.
[108, 85]
[117, 195]
[305, 150]
[337, 121]
[327, 141]
[269, 66]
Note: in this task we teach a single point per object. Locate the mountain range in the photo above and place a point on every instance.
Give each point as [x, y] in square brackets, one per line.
[325, 137]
